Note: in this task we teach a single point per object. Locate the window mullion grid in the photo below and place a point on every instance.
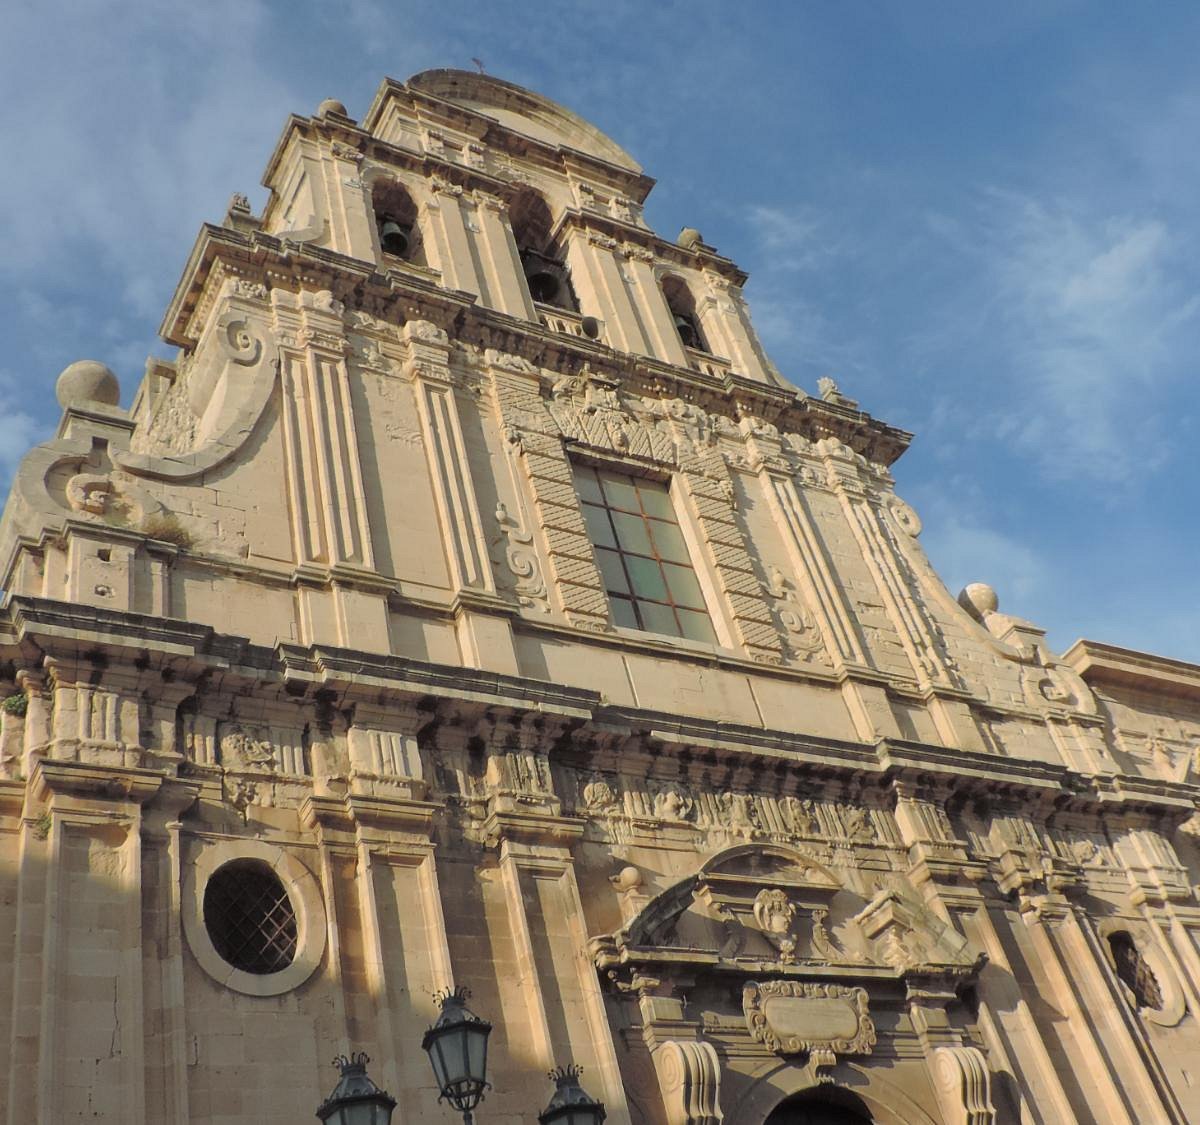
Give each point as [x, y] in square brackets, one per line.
[620, 552]
[653, 557]
[636, 597]
[658, 560]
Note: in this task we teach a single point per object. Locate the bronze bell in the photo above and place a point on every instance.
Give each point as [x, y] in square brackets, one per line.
[687, 331]
[393, 238]
[544, 286]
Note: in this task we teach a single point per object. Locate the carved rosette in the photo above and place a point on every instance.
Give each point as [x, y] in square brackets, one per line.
[800, 1017]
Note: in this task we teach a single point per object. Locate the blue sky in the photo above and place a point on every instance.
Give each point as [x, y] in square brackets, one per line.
[979, 219]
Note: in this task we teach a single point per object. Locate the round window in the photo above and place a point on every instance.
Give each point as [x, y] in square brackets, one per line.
[249, 917]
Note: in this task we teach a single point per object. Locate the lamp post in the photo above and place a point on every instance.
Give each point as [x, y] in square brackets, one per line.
[571, 1103]
[356, 1100]
[457, 1049]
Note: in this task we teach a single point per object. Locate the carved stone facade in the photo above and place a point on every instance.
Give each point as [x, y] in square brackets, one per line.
[323, 614]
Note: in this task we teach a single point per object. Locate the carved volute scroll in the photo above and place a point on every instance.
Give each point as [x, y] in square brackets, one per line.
[964, 1086]
[689, 1074]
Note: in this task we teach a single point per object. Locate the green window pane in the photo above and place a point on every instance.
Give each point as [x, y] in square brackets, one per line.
[696, 626]
[614, 574]
[669, 541]
[656, 501]
[632, 534]
[599, 529]
[659, 619]
[685, 590]
[620, 492]
[647, 579]
[623, 615]
[588, 485]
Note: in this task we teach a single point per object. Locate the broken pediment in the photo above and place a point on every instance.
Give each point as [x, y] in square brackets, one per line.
[769, 908]
[752, 903]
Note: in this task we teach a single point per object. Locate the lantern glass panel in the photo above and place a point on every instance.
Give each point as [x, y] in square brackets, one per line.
[477, 1040]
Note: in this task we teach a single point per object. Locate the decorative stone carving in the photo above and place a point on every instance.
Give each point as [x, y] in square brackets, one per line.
[426, 331]
[801, 814]
[522, 559]
[964, 1085]
[857, 823]
[797, 1017]
[258, 750]
[774, 913]
[238, 340]
[689, 1074]
[741, 814]
[905, 516]
[239, 748]
[824, 948]
[672, 802]
[599, 796]
[588, 409]
[802, 636]
[910, 938]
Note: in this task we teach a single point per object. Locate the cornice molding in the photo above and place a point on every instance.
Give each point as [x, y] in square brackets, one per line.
[56, 629]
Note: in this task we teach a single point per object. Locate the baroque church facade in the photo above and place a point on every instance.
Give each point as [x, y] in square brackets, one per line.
[472, 603]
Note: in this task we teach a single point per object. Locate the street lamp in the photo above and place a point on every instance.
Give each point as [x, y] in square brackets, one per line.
[571, 1103]
[457, 1048]
[356, 1100]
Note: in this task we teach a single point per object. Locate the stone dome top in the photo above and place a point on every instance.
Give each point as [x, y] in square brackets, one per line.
[522, 111]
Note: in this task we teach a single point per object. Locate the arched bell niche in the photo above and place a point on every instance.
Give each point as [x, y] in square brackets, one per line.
[828, 1106]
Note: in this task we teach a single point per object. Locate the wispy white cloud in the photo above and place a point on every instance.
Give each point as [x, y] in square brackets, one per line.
[794, 238]
[1078, 317]
[176, 107]
[965, 541]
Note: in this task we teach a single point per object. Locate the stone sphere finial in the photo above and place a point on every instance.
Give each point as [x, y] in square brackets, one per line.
[978, 599]
[627, 879]
[87, 381]
[331, 105]
[689, 237]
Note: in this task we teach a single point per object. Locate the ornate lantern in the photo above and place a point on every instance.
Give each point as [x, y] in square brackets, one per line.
[356, 1100]
[457, 1049]
[571, 1103]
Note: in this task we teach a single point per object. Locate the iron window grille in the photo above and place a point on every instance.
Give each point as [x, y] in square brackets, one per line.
[250, 918]
[642, 555]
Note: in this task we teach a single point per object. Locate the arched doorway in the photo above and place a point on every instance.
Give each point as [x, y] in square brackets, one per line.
[824, 1107]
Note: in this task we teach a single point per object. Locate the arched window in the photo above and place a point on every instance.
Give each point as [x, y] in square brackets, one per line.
[830, 1106]
[396, 221]
[1133, 971]
[683, 313]
[546, 273]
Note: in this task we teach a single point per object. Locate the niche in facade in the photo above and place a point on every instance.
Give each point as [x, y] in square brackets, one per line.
[546, 273]
[683, 313]
[1134, 972]
[396, 222]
